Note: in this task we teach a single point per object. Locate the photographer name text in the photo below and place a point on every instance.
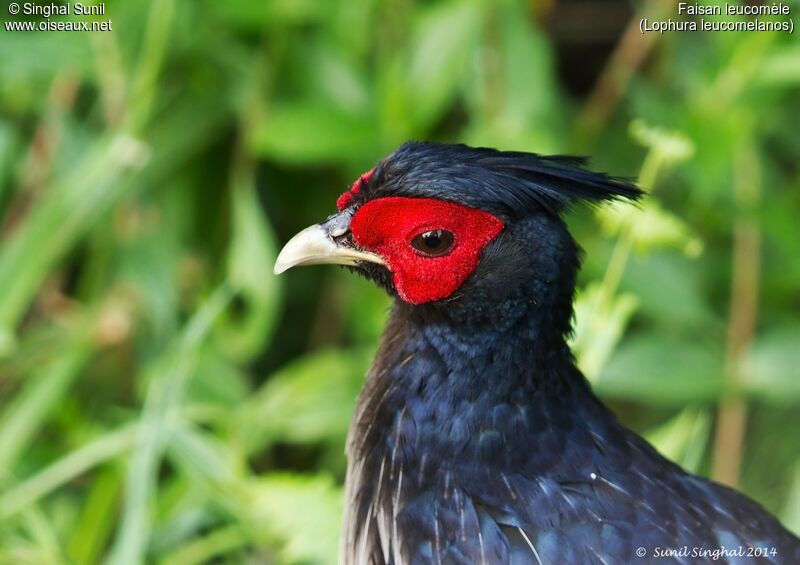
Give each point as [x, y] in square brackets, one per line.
[71, 16]
[76, 9]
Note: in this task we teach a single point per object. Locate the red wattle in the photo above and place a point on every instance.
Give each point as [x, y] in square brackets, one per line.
[386, 226]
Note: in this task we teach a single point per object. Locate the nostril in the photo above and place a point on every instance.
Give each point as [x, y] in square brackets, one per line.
[339, 231]
[339, 224]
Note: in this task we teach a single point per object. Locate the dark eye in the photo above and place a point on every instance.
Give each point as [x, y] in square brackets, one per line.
[433, 243]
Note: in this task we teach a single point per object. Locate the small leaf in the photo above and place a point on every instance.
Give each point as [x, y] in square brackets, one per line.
[107, 446]
[250, 15]
[791, 514]
[771, 369]
[672, 146]
[207, 547]
[26, 413]
[513, 96]
[362, 304]
[9, 146]
[168, 376]
[599, 324]
[683, 438]
[444, 41]
[658, 369]
[250, 259]
[338, 80]
[92, 530]
[312, 399]
[35, 60]
[651, 227]
[302, 514]
[781, 68]
[669, 290]
[217, 381]
[203, 457]
[313, 132]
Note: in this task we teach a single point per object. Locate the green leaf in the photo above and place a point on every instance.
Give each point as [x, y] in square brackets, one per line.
[165, 393]
[185, 509]
[59, 219]
[217, 381]
[651, 227]
[204, 457]
[72, 465]
[215, 474]
[297, 515]
[39, 528]
[600, 322]
[9, 145]
[338, 80]
[771, 368]
[300, 513]
[683, 438]
[781, 68]
[94, 527]
[669, 291]
[311, 399]
[312, 132]
[672, 146]
[23, 417]
[207, 547]
[363, 305]
[251, 257]
[514, 94]
[75, 202]
[35, 60]
[442, 48]
[659, 369]
[255, 15]
[791, 514]
[144, 261]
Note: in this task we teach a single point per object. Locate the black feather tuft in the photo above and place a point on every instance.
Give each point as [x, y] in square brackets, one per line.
[510, 183]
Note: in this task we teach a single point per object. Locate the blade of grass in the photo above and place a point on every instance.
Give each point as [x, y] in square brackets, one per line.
[208, 547]
[107, 446]
[41, 531]
[164, 396]
[71, 207]
[155, 41]
[25, 414]
[250, 259]
[94, 527]
[57, 221]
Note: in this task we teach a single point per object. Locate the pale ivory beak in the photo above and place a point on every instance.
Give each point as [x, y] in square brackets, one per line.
[315, 246]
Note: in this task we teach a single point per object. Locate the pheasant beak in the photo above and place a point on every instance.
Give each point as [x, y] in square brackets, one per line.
[327, 243]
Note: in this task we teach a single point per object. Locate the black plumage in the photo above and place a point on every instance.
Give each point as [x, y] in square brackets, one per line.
[477, 440]
[509, 183]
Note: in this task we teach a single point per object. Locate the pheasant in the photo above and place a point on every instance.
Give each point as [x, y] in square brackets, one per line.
[476, 439]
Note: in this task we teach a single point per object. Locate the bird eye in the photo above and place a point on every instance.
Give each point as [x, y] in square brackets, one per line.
[433, 243]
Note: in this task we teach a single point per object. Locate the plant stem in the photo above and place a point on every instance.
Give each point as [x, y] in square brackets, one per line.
[732, 416]
[624, 245]
[629, 54]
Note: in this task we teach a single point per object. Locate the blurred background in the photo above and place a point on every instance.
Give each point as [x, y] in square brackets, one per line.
[165, 399]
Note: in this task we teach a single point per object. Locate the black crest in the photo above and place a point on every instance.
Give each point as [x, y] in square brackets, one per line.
[510, 183]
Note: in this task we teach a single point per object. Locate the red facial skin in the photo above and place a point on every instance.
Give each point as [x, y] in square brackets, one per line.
[345, 199]
[386, 226]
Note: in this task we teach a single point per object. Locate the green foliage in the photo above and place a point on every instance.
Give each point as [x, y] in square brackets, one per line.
[164, 398]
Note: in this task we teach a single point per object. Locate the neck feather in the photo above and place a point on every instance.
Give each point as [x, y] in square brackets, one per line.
[469, 392]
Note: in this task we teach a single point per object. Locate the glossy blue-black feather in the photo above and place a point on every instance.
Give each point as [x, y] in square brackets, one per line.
[477, 440]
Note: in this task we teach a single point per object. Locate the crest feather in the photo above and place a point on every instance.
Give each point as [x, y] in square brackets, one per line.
[512, 183]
